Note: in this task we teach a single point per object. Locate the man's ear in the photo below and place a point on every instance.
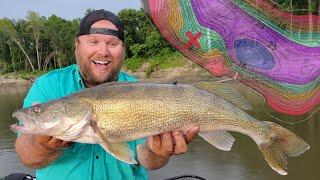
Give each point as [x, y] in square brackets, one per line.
[76, 42]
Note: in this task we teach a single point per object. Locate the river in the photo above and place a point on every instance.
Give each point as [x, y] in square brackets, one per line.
[243, 162]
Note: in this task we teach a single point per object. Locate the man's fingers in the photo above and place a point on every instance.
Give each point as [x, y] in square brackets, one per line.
[181, 145]
[154, 144]
[191, 133]
[54, 143]
[64, 144]
[171, 142]
[51, 142]
[167, 143]
[42, 139]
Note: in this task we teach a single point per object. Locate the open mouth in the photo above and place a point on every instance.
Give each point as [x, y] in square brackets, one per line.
[17, 128]
[22, 125]
[105, 63]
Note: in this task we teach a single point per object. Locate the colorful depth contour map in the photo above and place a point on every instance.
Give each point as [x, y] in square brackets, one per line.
[274, 52]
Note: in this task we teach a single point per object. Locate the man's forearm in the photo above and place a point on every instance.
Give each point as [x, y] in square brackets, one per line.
[33, 154]
[149, 160]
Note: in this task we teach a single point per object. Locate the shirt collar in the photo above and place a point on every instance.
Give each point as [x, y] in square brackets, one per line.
[78, 77]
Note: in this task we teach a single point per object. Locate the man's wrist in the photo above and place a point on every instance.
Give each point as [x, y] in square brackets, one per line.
[149, 159]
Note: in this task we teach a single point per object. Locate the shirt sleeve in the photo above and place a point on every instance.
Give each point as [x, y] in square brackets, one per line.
[140, 141]
[35, 95]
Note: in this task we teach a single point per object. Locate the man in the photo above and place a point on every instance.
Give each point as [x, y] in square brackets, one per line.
[100, 54]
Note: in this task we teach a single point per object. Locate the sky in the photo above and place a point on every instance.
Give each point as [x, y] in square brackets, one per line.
[67, 9]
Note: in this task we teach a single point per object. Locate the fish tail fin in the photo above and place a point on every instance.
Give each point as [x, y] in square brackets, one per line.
[281, 145]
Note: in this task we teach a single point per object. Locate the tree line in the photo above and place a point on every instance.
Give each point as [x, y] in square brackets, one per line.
[299, 7]
[38, 43]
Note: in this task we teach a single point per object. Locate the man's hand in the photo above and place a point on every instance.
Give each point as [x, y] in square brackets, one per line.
[171, 143]
[159, 148]
[51, 142]
[37, 151]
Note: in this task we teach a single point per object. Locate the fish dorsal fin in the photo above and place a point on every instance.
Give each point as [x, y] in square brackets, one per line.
[114, 83]
[222, 140]
[227, 91]
[174, 83]
[120, 151]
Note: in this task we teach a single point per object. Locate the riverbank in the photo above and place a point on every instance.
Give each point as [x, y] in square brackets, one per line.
[12, 84]
[5, 79]
[189, 72]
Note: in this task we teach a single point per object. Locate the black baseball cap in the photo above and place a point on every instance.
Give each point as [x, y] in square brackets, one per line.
[97, 15]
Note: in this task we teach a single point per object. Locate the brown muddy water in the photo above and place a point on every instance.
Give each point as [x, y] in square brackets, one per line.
[243, 162]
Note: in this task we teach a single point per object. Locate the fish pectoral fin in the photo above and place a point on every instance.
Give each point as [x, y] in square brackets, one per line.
[120, 151]
[227, 91]
[222, 140]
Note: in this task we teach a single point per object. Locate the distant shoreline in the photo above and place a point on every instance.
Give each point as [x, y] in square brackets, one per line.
[181, 74]
[10, 80]
[10, 84]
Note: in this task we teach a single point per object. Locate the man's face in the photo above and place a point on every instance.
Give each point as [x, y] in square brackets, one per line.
[99, 56]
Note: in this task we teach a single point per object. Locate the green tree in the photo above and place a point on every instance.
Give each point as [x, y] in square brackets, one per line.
[89, 11]
[9, 30]
[36, 26]
[141, 37]
[299, 7]
[137, 27]
[5, 52]
[60, 34]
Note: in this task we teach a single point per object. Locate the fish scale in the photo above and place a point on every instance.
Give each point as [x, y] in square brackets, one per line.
[115, 113]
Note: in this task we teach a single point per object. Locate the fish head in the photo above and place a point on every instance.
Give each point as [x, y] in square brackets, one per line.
[52, 118]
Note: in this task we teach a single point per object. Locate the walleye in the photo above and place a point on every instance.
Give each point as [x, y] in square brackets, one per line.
[114, 113]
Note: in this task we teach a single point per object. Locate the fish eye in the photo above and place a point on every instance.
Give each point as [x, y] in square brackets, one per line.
[36, 109]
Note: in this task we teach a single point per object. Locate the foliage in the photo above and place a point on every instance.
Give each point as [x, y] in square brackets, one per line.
[133, 63]
[299, 7]
[26, 74]
[48, 43]
[164, 62]
[36, 26]
[9, 31]
[141, 38]
[36, 41]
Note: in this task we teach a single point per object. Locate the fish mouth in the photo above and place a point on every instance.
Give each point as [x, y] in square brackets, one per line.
[26, 123]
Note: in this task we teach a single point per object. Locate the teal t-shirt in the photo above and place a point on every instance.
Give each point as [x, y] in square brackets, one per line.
[81, 161]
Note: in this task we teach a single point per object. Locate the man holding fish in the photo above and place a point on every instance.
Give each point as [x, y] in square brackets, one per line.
[85, 106]
[100, 52]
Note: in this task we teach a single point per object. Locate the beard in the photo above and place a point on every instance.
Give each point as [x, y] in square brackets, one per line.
[90, 79]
